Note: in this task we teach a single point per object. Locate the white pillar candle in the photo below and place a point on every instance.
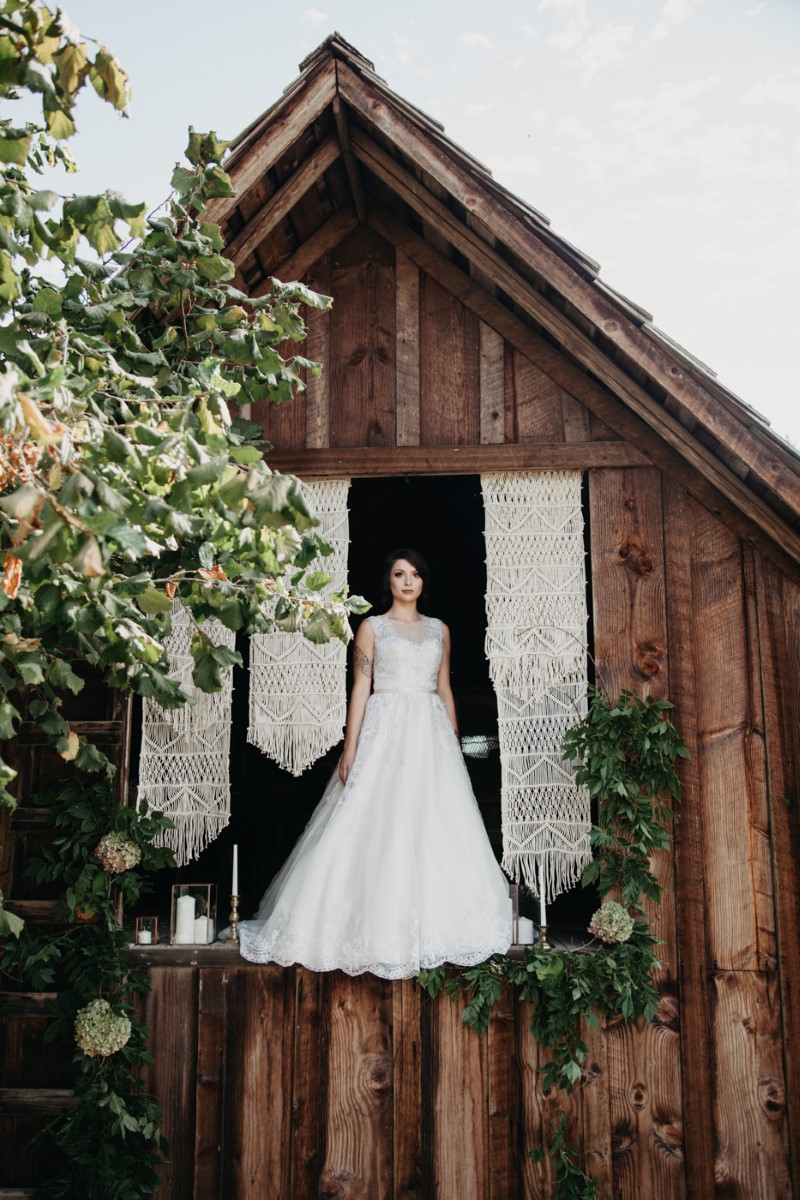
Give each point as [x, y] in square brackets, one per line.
[145, 937]
[525, 931]
[202, 930]
[184, 920]
[235, 879]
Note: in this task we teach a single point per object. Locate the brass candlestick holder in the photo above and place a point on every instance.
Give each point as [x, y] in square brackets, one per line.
[233, 917]
[543, 942]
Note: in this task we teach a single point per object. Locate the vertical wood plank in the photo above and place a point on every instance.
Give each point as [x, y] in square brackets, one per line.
[779, 628]
[284, 424]
[576, 419]
[259, 1075]
[630, 626]
[538, 403]
[407, 319]
[492, 385]
[755, 757]
[630, 620]
[317, 348]
[407, 1055]
[689, 846]
[503, 1097]
[209, 1130]
[449, 369]
[460, 1133]
[363, 343]
[749, 1098]
[359, 1141]
[725, 726]
[309, 1084]
[171, 1016]
[595, 1111]
[538, 1109]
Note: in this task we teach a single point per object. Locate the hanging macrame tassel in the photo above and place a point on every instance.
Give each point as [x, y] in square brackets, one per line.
[184, 762]
[536, 647]
[298, 700]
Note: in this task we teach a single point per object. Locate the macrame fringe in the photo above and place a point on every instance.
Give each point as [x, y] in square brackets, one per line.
[184, 761]
[298, 702]
[535, 644]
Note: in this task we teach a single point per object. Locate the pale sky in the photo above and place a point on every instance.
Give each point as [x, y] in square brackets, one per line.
[661, 137]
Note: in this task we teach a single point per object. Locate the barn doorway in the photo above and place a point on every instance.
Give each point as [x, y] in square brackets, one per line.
[441, 517]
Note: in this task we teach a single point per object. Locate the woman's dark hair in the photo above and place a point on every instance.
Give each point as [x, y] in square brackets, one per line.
[419, 565]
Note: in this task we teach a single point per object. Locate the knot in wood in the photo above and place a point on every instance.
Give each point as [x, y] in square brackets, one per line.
[610, 326]
[638, 1096]
[645, 564]
[772, 1096]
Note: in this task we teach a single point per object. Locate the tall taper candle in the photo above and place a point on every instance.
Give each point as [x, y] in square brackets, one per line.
[542, 909]
[235, 880]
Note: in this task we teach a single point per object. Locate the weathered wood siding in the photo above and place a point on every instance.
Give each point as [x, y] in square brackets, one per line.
[289, 1085]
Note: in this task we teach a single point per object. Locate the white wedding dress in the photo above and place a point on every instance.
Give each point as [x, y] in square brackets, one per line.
[394, 870]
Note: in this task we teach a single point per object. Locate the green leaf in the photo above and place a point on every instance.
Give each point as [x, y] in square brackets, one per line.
[15, 145]
[215, 268]
[62, 677]
[154, 601]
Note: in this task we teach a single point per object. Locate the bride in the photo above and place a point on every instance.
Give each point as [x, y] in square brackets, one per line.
[394, 871]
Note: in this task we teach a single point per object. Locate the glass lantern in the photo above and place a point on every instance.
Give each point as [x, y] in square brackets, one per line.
[193, 914]
[146, 931]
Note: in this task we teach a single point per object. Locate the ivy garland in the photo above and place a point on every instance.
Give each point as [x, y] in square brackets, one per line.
[625, 755]
[111, 1142]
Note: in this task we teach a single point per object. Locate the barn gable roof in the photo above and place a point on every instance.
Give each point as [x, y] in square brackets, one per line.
[340, 149]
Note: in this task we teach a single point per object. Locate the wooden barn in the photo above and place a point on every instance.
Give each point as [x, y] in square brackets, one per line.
[466, 337]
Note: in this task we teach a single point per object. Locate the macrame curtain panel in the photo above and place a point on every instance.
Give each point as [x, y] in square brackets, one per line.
[298, 699]
[183, 768]
[536, 647]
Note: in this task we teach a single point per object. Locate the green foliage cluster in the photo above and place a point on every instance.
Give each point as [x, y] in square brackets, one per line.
[125, 486]
[111, 1141]
[625, 754]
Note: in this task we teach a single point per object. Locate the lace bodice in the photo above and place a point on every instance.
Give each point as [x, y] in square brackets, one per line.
[407, 655]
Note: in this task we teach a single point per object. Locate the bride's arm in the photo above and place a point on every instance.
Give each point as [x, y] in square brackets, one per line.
[363, 655]
[443, 680]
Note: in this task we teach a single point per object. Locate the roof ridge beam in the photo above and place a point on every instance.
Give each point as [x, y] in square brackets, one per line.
[610, 319]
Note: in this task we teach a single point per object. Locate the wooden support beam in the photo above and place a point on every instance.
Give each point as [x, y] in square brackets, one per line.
[492, 385]
[351, 166]
[276, 208]
[282, 126]
[407, 327]
[334, 230]
[716, 413]
[36, 1102]
[365, 463]
[713, 484]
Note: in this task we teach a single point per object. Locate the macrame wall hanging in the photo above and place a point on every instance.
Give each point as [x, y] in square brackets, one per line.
[298, 700]
[536, 646]
[183, 768]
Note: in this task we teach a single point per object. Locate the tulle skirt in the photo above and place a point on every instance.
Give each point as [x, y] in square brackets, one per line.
[394, 870]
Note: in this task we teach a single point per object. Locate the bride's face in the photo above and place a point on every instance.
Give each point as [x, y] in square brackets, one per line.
[405, 581]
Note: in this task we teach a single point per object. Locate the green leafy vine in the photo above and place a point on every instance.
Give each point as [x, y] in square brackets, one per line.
[624, 754]
[111, 1142]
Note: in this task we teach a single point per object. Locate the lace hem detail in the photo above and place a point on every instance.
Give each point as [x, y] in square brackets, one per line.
[383, 970]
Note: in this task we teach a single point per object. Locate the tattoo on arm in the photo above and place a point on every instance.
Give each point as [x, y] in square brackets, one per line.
[361, 662]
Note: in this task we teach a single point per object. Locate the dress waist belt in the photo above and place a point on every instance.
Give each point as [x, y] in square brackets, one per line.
[422, 691]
